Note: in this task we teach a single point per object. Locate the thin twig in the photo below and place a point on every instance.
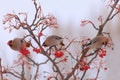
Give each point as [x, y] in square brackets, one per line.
[36, 72]
[76, 66]
[32, 60]
[72, 55]
[98, 72]
[69, 44]
[44, 62]
[113, 15]
[11, 73]
[83, 74]
[36, 8]
[96, 53]
[1, 76]
[94, 25]
[116, 1]
[57, 68]
[23, 72]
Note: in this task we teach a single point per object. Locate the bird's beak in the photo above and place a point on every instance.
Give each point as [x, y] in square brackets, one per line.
[9, 42]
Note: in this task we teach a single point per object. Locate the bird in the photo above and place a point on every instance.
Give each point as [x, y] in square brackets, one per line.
[96, 43]
[17, 43]
[53, 41]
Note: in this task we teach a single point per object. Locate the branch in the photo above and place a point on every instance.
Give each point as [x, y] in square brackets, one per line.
[96, 53]
[76, 66]
[37, 9]
[69, 44]
[72, 56]
[1, 76]
[32, 60]
[44, 62]
[94, 25]
[36, 72]
[83, 75]
[98, 72]
[113, 16]
[11, 73]
[108, 17]
[23, 72]
[57, 68]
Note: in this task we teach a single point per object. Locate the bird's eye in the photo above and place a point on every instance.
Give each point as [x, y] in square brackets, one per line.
[10, 45]
[58, 38]
[104, 43]
[22, 41]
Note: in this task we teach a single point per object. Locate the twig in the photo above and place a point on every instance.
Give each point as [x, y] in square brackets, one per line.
[108, 18]
[98, 72]
[57, 68]
[36, 72]
[75, 67]
[113, 15]
[44, 62]
[11, 73]
[92, 59]
[1, 76]
[69, 44]
[71, 55]
[83, 74]
[32, 60]
[93, 25]
[36, 8]
[96, 53]
[23, 72]
[89, 54]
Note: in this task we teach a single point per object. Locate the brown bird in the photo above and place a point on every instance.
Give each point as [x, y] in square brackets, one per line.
[17, 43]
[96, 43]
[53, 40]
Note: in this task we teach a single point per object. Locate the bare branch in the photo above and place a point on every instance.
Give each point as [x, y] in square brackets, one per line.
[57, 68]
[76, 66]
[93, 25]
[23, 72]
[69, 44]
[113, 15]
[32, 60]
[98, 72]
[36, 73]
[72, 56]
[1, 75]
[11, 73]
[108, 17]
[83, 75]
[44, 62]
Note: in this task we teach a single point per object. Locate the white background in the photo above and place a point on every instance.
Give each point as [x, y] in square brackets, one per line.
[69, 14]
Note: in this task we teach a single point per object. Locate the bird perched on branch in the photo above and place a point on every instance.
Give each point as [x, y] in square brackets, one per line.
[53, 41]
[17, 43]
[96, 43]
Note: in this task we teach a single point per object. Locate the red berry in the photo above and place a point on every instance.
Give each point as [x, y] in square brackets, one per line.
[58, 54]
